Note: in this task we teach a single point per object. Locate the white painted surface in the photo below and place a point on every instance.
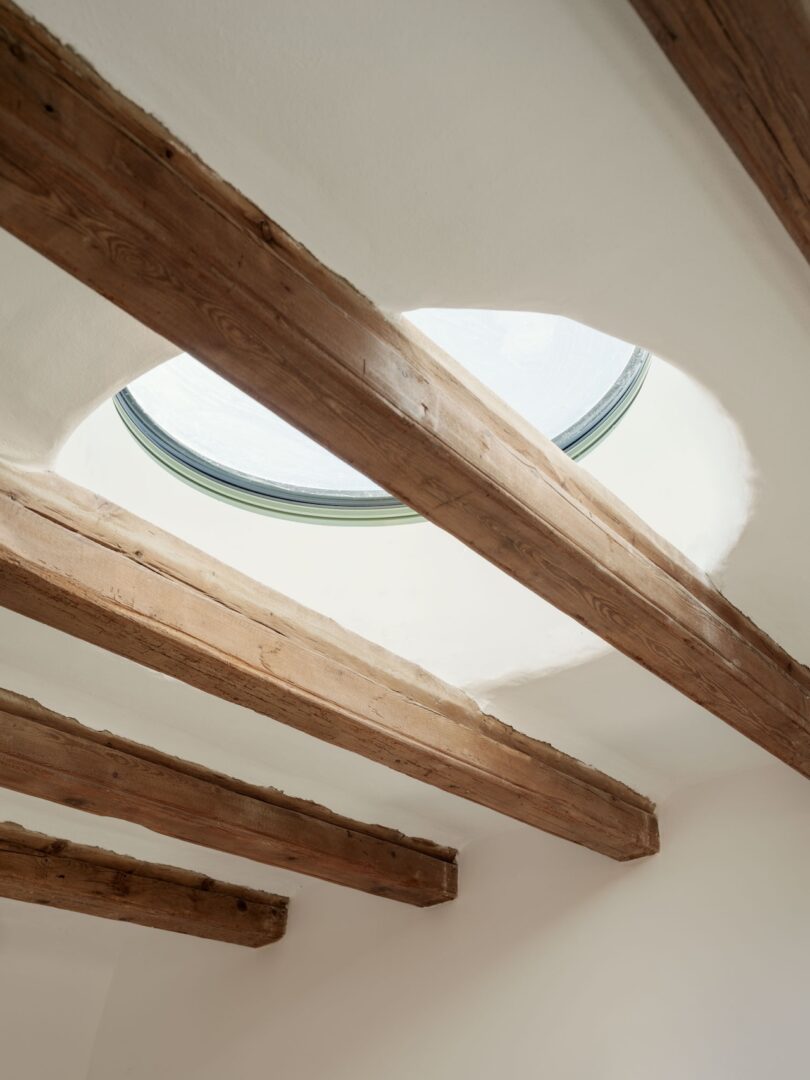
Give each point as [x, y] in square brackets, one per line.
[551, 964]
[538, 156]
[63, 351]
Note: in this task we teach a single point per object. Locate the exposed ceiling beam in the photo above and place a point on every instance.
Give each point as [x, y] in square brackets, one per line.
[43, 870]
[95, 184]
[74, 561]
[748, 64]
[53, 757]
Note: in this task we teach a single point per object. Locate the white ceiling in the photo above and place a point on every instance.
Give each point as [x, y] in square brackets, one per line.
[539, 156]
[535, 156]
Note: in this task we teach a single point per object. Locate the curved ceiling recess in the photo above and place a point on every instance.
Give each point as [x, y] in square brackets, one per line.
[571, 382]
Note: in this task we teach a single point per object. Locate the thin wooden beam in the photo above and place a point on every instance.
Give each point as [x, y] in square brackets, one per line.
[76, 562]
[99, 187]
[748, 64]
[48, 755]
[43, 870]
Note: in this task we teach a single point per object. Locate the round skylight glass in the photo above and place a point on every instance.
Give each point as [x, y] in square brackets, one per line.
[571, 382]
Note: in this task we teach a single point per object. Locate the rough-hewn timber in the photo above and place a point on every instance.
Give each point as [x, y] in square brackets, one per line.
[48, 755]
[43, 870]
[748, 64]
[76, 562]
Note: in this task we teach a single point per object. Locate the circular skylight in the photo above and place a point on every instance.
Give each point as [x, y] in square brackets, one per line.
[571, 382]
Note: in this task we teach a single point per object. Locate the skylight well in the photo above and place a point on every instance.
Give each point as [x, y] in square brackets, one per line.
[570, 381]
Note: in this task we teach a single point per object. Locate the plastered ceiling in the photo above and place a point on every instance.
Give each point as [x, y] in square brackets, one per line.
[538, 156]
[526, 156]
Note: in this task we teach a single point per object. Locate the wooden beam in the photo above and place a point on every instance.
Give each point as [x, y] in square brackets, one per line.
[98, 186]
[748, 64]
[43, 870]
[76, 562]
[53, 757]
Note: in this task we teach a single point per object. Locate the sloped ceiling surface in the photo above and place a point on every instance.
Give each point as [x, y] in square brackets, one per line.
[465, 153]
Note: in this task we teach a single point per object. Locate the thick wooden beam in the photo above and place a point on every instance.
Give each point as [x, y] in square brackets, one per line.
[98, 186]
[76, 562]
[53, 757]
[43, 870]
[748, 64]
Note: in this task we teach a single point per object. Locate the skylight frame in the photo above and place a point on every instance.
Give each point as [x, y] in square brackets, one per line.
[310, 504]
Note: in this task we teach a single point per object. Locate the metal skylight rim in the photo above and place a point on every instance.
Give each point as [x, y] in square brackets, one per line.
[344, 507]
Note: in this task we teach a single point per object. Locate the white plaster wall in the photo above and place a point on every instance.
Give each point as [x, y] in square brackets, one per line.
[552, 963]
[55, 973]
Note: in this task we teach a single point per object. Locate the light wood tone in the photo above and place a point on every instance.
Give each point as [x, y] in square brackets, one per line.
[98, 186]
[748, 64]
[43, 870]
[76, 562]
[53, 757]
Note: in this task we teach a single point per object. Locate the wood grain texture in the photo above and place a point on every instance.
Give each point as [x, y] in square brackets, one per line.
[51, 756]
[83, 565]
[40, 869]
[748, 64]
[99, 187]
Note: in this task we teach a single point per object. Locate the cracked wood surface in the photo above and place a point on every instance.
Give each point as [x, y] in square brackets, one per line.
[51, 756]
[44, 870]
[76, 562]
[748, 64]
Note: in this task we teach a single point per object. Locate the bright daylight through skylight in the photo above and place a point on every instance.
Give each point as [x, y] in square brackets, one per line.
[571, 382]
